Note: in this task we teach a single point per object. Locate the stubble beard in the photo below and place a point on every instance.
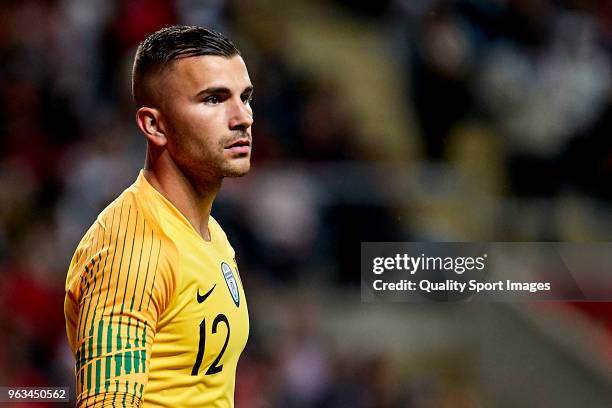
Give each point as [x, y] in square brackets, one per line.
[233, 172]
[236, 166]
[204, 167]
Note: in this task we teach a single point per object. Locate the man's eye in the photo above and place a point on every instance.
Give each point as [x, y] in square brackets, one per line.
[247, 99]
[212, 99]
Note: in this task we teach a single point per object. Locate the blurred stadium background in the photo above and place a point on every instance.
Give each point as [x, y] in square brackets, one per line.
[389, 120]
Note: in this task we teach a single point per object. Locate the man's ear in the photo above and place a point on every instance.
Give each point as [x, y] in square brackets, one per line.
[149, 122]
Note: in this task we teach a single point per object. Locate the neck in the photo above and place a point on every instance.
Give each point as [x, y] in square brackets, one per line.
[193, 198]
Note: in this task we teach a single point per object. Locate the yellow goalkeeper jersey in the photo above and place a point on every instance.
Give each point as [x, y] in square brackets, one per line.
[155, 315]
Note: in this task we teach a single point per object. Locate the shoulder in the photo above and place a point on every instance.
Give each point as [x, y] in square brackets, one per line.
[131, 216]
[125, 232]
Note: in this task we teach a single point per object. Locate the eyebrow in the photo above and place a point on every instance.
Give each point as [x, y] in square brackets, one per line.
[222, 90]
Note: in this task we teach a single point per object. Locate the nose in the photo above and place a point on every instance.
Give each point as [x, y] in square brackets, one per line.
[241, 116]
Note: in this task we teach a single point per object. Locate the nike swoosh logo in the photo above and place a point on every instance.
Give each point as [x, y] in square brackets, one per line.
[203, 297]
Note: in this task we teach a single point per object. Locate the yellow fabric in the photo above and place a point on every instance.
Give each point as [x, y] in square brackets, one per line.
[133, 317]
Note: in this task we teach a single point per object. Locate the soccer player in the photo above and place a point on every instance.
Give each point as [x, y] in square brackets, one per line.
[155, 310]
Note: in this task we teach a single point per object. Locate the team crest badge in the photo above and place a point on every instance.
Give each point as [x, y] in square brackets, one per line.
[230, 279]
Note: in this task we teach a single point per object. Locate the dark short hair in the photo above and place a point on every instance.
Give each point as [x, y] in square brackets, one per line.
[159, 50]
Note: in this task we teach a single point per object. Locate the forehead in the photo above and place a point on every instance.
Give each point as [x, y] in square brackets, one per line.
[193, 74]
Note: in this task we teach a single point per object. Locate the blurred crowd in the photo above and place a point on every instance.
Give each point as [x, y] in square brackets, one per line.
[530, 80]
[537, 73]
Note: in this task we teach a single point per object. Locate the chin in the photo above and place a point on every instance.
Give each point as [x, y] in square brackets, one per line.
[238, 170]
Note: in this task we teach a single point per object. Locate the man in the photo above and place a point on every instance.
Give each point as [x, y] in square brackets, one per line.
[155, 310]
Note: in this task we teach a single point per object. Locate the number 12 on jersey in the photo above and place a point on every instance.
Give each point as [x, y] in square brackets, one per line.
[214, 367]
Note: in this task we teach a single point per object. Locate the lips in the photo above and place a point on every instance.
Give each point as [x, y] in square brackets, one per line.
[239, 143]
[240, 146]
